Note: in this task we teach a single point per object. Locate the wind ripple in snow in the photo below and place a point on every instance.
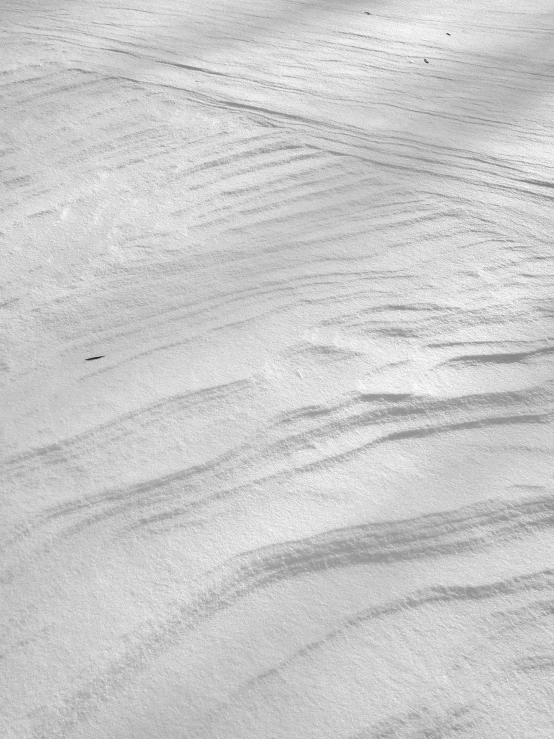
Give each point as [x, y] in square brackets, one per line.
[306, 489]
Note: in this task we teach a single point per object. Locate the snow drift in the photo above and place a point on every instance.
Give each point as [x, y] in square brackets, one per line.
[303, 485]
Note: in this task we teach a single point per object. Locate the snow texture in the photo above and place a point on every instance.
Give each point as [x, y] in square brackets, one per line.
[276, 369]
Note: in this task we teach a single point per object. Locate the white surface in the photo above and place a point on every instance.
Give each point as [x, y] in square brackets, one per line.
[308, 491]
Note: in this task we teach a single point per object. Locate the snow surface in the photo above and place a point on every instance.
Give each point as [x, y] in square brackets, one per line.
[306, 490]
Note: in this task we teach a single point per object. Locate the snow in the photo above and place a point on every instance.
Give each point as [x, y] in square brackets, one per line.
[276, 369]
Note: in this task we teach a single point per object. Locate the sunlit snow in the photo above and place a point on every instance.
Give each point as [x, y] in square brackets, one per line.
[276, 369]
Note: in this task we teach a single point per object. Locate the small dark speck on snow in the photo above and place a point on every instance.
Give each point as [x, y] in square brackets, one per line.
[100, 356]
[426, 62]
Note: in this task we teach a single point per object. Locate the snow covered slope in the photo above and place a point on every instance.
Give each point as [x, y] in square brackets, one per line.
[303, 487]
